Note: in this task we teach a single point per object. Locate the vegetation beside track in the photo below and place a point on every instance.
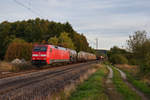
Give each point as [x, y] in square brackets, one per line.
[133, 79]
[123, 88]
[9, 67]
[143, 87]
[92, 89]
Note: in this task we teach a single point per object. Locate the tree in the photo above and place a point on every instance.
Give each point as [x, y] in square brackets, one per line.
[53, 40]
[18, 48]
[65, 41]
[139, 45]
[117, 55]
[143, 56]
[135, 41]
[18, 40]
[39, 30]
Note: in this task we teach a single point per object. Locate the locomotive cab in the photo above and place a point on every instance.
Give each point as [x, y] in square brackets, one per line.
[49, 54]
[39, 54]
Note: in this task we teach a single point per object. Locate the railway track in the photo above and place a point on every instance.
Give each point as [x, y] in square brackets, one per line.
[47, 67]
[19, 85]
[10, 74]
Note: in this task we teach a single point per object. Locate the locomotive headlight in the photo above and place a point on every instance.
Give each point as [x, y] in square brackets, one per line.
[43, 55]
[35, 55]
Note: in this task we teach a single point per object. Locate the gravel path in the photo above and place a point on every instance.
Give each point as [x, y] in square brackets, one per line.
[110, 75]
[123, 75]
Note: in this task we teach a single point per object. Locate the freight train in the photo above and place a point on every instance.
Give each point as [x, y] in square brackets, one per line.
[49, 54]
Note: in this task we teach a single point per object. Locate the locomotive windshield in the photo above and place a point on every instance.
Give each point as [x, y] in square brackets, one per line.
[40, 48]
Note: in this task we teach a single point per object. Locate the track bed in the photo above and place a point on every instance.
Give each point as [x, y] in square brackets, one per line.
[39, 84]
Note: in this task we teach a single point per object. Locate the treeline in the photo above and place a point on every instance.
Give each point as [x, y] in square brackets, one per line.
[137, 52]
[41, 31]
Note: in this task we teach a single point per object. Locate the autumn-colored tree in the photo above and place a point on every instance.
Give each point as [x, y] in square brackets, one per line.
[65, 41]
[18, 40]
[18, 49]
[39, 30]
[53, 40]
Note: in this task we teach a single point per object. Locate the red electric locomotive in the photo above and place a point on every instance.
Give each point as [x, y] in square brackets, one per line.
[48, 54]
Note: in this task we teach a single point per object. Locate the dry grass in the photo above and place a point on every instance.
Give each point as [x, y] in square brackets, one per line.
[146, 79]
[97, 65]
[132, 69]
[6, 66]
[141, 83]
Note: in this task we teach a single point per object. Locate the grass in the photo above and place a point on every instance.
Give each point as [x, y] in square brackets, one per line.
[132, 69]
[5, 66]
[132, 78]
[143, 87]
[91, 89]
[126, 92]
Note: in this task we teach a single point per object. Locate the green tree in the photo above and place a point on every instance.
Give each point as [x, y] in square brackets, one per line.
[65, 41]
[139, 45]
[39, 30]
[18, 40]
[135, 41]
[117, 55]
[53, 40]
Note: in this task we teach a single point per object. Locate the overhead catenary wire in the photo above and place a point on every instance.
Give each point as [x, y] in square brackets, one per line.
[28, 8]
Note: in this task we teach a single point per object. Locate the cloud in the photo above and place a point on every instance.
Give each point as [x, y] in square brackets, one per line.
[110, 20]
[107, 42]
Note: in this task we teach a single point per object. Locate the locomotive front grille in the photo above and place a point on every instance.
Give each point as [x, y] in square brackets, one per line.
[43, 62]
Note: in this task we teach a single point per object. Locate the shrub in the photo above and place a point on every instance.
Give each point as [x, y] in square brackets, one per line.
[118, 59]
[20, 50]
[133, 61]
[20, 67]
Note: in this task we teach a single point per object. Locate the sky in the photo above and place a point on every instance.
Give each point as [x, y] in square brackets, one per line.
[109, 21]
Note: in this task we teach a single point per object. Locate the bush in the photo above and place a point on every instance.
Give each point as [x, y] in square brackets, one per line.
[7, 66]
[20, 50]
[20, 67]
[133, 61]
[118, 59]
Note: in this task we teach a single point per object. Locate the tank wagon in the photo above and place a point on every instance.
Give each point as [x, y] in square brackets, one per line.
[49, 54]
[85, 56]
[73, 55]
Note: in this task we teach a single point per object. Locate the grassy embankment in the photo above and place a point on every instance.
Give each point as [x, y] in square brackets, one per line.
[132, 77]
[92, 89]
[126, 92]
